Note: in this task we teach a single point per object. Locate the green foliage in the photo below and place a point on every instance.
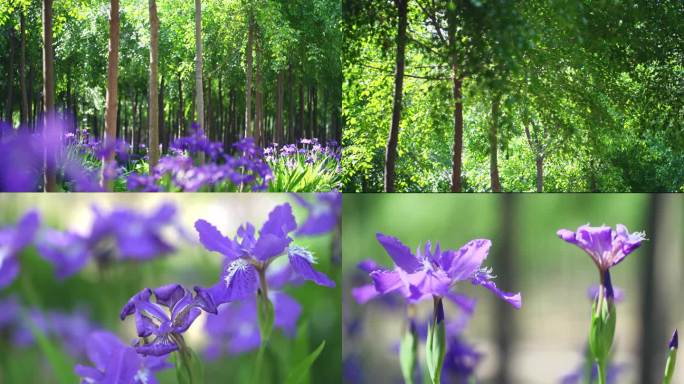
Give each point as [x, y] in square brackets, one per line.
[300, 371]
[594, 84]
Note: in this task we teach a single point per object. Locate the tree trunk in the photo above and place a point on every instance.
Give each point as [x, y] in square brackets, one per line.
[50, 175]
[154, 86]
[199, 90]
[248, 77]
[10, 76]
[258, 96]
[181, 117]
[493, 148]
[393, 140]
[22, 72]
[290, 107]
[163, 136]
[279, 133]
[112, 88]
[300, 129]
[540, 173]
[458, 134]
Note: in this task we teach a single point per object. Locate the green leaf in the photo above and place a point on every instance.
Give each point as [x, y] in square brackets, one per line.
[59, 360]
[188, 367]
[408, 354]
[299, 372]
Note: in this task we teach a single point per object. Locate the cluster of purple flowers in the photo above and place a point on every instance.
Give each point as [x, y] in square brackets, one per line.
[244, 171]
[163, 314]
[309, 151]
[119, 235]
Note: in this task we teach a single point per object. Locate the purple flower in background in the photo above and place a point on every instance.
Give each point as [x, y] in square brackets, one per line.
[460, 360]
[235, 329]
[607, 247]
[136, 236]
[594, 290]
[433, 273]
[67, 251]
[324, 213]
[160, 324]
[578, 376]
[9, 311]
[115, 362]
[12, 241]
[247, 256]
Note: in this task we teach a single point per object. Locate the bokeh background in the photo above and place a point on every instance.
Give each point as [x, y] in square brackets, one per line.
[545, 339]
[103, 294]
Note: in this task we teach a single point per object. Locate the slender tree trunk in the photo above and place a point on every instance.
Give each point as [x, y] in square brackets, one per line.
[181, 117]
[199, 90]
[22, 72]
[220, 119]
[258, 96]
[493, 148]
[248, 76]
[50, 175]
[31, 98]
[458, 134]
[291, 107]
[300, 129]
[163, 136]
[279, 108]
[112, 88]
[393, 140]
[154, 86]
[10, 75]
[540, 172]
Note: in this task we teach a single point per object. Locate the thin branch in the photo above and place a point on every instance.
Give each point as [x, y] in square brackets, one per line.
[406, 75]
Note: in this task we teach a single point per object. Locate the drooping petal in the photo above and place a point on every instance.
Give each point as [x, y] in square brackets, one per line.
[25, 230]
[160, 346]
[100, 347]
[302, 262]
[484, 279]
[400, 253]
[205, 298]
[129, 308]
[88, 374]
[240, 280]
[214, 241]
[121, 366]
[368, 265]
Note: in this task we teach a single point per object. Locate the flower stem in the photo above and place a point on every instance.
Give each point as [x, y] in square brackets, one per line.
[602, 373]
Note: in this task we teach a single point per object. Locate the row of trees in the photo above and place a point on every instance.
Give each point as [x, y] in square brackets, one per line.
[268, 69]
[575, 96]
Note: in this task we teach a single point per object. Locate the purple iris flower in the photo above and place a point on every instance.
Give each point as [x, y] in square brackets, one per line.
[324, 213]
[116, 362]
[12, 241]
[578, 375]
[460, 360]
[433, 273]
[160, 324]
[67, 251]
[248, 256]
[136, 236]
[607, 247]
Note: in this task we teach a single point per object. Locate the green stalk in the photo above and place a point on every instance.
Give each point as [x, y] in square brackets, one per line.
[266, 318]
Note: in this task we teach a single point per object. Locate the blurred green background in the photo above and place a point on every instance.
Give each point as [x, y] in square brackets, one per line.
[544, 340]
[103, 294]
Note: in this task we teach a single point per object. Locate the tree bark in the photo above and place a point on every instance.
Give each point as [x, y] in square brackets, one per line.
[112, 88]
[458, 134]
[300, 129]
[493, 148]
[248, 77]
[199, 90]
[10, 75]
[181, 112]
[540, 173]
[22, 72]
[279, 132]
[163, 136]
[154, 86]
[393, 140]
[50, 175]
[258, 96]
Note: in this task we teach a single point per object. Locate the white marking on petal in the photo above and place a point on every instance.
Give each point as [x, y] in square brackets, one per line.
[237, 265]
[302, 252]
